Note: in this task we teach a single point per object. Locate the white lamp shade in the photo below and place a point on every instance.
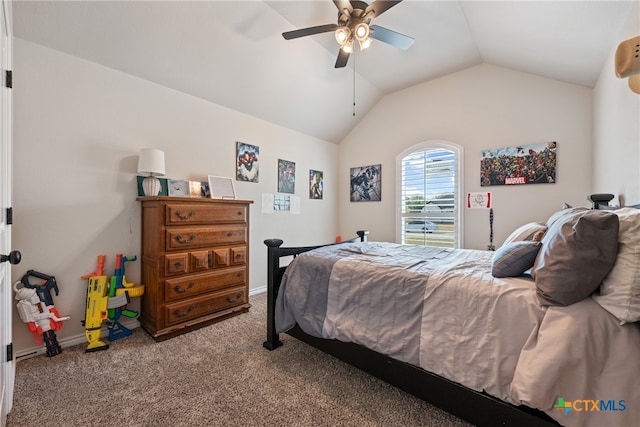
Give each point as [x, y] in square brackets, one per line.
[151, 161]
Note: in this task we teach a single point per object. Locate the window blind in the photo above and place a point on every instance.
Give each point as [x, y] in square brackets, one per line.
[428, 198]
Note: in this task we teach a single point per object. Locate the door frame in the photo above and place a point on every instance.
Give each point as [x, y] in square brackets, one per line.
[7, 359]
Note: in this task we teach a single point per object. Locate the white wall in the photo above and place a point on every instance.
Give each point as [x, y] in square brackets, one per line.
[478, 108]
[616, 134]
[78, 129]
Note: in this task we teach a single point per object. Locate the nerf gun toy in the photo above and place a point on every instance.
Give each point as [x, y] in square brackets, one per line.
[118, 286]
[36, 309]
[98, 304]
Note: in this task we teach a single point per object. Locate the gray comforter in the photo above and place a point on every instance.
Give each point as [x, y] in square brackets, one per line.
[442, 310]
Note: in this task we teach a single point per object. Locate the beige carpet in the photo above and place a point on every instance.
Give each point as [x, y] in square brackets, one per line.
[217, 376]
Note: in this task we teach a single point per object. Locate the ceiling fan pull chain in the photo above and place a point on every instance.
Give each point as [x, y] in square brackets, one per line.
[354, 83]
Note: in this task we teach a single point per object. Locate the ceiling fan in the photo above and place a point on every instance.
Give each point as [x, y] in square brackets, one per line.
[354, 19]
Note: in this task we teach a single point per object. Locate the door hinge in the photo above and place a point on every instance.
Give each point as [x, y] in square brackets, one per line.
[8, 78]
[9, 352]
[9, 216]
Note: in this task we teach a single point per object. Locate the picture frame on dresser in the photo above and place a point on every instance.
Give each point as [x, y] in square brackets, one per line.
[221, 187]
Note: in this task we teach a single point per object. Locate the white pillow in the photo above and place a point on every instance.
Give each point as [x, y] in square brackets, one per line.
[620, 290]
[525, 232]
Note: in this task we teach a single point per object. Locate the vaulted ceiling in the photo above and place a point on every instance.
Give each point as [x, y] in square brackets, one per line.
[232, 53]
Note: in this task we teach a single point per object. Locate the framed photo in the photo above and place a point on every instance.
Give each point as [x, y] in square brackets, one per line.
[366, 183]
[286, 176]
[521, 164]
[179, 188]
[247, 162]
[221, 187]
[199, 189]
[316, 184]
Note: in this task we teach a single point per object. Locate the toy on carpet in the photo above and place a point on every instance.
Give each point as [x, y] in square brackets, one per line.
[36, 309]
[107, 300]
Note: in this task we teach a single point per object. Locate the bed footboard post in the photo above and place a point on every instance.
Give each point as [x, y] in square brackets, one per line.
[273, 283]
[363, 234]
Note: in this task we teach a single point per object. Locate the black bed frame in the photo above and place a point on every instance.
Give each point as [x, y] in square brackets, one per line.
[475, 407]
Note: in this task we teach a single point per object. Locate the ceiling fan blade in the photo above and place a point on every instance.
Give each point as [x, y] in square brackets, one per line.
[342, 5]
[309, 31]
[343, 58]
[391, 37]
[378, 7]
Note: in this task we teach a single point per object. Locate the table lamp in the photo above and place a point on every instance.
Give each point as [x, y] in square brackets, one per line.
[151, 163]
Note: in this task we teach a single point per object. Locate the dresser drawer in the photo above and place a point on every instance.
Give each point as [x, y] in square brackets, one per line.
[175, 263]
[206, 304]
[238, 256]
[202, 214]
[186, 287]
[197, 237]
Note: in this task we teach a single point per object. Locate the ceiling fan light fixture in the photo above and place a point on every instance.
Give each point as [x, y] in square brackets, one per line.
[366, 43]
[347, 47]
[362, 31]
[342, 35]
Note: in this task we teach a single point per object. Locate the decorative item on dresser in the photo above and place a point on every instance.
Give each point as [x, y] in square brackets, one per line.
[151, 164]
[195, 263]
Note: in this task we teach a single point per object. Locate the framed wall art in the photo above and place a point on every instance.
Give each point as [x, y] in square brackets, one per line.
[247, 162]
[521, 164]
[286, 176]
[316, 184]
[366, 183]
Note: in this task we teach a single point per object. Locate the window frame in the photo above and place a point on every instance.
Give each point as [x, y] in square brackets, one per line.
[459, 182]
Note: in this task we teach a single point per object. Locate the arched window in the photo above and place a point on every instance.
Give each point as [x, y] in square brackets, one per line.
[430, 195]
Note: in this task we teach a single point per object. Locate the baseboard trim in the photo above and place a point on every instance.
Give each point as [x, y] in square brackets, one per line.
[73, 340]
[256, 291]
[81, 339]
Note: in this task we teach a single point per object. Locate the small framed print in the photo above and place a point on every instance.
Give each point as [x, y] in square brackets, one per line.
[316, 184]
[247, 162]
[179, 188]
[221, 187]
[199, 189]
[366, 183]
[286, 176]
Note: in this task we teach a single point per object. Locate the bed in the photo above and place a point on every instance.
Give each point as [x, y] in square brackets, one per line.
[541, 332]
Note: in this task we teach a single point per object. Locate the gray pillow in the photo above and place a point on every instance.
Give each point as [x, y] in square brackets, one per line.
[514, 258]
[578, 251]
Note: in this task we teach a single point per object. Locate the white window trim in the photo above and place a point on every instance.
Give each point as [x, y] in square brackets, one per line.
[426, 145]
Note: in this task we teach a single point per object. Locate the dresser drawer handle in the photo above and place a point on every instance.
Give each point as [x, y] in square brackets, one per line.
[181, 313]
[179, 289]
[229, 234]
[184, 217]
[239, 274]
[240, 213]
[231, 298]
[177, 265]
[179, 238]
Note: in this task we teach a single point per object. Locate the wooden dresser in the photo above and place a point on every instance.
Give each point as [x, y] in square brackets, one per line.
[195, 263]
